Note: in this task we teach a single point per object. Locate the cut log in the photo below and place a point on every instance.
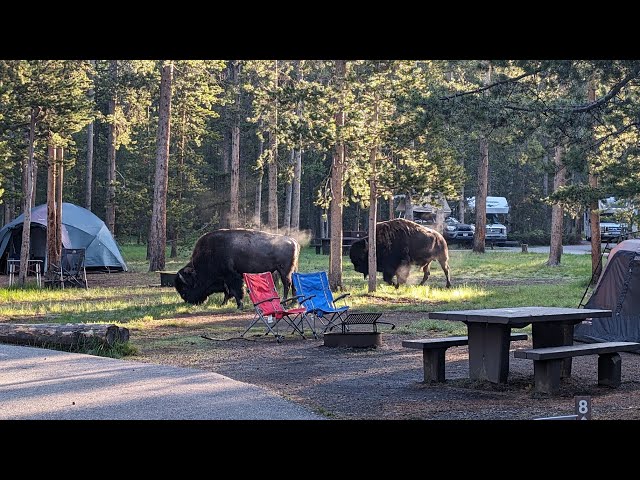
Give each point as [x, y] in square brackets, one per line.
[70, 334]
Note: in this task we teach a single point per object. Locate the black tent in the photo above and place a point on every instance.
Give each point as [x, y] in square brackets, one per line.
[617, 290]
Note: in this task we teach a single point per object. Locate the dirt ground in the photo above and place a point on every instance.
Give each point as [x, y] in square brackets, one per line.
[382, 383]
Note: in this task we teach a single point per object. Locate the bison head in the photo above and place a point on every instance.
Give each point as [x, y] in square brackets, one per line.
[186, 283]
[358, 253]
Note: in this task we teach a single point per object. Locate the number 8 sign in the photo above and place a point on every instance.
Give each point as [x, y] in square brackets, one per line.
[583, 408]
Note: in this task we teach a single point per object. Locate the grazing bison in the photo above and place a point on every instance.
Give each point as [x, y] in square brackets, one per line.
[400, 244]
[220, 258]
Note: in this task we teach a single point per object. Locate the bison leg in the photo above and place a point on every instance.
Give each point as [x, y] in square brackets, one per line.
[444, 263]
[388, 278]
[227, 295]
[235, 289]
[427, 272]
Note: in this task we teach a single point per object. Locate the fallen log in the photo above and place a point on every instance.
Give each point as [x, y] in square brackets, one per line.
[70, 334]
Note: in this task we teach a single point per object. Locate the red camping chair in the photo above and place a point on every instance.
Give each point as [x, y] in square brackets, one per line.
[269, 308]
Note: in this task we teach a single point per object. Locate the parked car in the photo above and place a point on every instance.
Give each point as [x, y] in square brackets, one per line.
[456, 232]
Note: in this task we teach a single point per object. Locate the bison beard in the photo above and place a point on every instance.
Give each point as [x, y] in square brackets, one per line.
[401, 243]
[220, 258]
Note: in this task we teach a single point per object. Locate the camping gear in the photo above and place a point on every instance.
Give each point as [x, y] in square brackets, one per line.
[80, 229]
[617, 290]
[320, 303]
[269, 308]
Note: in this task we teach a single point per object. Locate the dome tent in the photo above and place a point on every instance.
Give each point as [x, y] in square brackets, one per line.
[80, 229]
[617, 290]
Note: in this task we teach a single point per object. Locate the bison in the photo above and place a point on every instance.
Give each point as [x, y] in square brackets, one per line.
[220, 258]
[400, 244]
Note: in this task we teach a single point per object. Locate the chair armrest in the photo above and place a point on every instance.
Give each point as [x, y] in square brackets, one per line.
[344, 295]
[297, 297]
[266, 300]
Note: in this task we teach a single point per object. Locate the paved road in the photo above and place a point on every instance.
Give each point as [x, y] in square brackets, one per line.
[42, 384]
[582, 249]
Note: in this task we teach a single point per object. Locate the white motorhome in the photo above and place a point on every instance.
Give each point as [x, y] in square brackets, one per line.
[497, 210]
[612, 215]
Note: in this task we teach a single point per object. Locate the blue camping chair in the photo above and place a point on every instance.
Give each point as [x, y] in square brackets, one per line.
[320, 302]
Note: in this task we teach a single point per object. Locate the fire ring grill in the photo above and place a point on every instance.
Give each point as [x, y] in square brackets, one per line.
[346, 338]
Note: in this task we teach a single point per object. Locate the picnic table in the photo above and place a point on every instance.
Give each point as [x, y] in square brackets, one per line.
[489, 332]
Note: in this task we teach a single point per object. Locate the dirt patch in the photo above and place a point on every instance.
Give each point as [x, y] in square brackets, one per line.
[381, 383]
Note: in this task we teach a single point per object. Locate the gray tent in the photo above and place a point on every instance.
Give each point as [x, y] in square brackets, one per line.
[617, 290]
[80, 229]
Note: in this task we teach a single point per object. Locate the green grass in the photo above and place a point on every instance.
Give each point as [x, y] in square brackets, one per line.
[479, 281]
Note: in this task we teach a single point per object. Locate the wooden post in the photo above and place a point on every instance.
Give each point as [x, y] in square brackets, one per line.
[525, 248]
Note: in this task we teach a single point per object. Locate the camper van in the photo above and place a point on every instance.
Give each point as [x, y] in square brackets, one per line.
[497, 211]
[428, 212]
[612, 224]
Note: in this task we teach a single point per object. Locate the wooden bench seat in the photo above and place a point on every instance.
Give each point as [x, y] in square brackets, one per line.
[433, 352]
[547, 362]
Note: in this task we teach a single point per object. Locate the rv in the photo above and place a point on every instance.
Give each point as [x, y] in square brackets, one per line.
[497, 211]
[613, 214]
[430, 212]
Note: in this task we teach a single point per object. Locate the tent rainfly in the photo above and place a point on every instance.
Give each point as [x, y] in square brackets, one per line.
[617, 290]
[80, 229]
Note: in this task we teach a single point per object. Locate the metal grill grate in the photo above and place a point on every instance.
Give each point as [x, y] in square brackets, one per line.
[363, 319]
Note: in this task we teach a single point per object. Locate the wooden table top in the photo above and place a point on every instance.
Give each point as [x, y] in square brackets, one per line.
[520, 314]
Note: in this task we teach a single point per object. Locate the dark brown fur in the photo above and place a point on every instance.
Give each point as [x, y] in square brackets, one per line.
[400, 244]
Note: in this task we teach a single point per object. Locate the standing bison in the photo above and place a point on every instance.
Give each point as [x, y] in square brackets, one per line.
[220, 258]
[400, 244]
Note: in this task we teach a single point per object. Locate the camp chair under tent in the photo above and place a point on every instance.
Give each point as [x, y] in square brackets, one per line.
[320, 302]
[71, 272]
[268, 305]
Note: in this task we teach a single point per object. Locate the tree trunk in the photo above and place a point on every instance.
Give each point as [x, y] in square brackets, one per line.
[297, 165]
[373, 204]
[594, 214]
[392, 213]
[257, 216]
[25, 184]
[481, 197]
[110, 205]
[69, 335]
[461, 203]
[53, 256]
[28, 193]
[234, 197]
[295, 196]
[337, 174]
[88, 181]
[89, 172]
[158, 234]
[59, 184]
[273, 164]
[408, 207]
[439, 217]
[288, 196]
[557, 214]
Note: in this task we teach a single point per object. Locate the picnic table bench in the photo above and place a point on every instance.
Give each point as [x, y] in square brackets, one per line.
[547, 362]
[433, 352]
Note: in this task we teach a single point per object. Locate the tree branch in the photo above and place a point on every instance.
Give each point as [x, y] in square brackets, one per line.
[495, 84]
[612, 93]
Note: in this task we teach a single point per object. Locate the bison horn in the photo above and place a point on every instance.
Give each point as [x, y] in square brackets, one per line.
[181, 277]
